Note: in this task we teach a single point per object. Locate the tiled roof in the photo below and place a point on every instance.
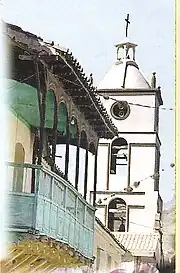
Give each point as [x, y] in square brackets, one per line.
[138, 244]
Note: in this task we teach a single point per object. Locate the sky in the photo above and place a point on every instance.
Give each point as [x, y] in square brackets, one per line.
[90, 29]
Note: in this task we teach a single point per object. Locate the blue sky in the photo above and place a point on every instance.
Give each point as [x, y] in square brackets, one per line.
[91, 28]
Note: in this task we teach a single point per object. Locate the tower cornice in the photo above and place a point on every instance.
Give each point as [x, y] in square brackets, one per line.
[129, 92]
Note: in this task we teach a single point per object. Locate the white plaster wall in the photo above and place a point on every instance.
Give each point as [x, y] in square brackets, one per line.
[102, 167]
[100, 213]
[117, 182]
[82, 156]
[137, 221]
[90, 180]
[72, 164]
[139, 138]
[141, 119]
[108, 246]
[140, 220]
[128, 198]
[142, 163]
[151, 208]
[61, 151]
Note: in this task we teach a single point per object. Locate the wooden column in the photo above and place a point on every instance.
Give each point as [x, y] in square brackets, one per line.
[77, 165]
[67, 150]
[41, 93]
[54, 134]
[34, 158]
[95, 179]
[86, 174]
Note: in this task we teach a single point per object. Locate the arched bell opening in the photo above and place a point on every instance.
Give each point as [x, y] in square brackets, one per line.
[117, 216]
[119, 158]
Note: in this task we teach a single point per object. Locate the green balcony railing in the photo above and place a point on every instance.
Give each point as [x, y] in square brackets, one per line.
[54, 209]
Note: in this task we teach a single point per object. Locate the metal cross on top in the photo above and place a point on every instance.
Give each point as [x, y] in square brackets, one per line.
[127, 23]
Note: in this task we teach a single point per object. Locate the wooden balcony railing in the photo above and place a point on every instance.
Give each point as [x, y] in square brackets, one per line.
[54, 208]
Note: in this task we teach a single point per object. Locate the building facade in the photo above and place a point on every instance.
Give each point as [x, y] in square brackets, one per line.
[127, 192]
[55, 120]
[108, 252]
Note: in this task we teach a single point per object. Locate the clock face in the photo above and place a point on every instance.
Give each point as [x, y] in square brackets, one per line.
[120, 110]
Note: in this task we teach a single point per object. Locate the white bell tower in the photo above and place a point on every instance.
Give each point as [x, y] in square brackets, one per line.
[127, 197]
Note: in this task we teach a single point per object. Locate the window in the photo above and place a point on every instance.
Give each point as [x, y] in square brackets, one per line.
[120, 110]
[117, 215]
[119, 157]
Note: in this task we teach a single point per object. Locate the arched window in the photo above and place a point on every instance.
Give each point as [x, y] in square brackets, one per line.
[117, 215]
[73, 131]
[119, 156]
[18, 175]
[62, 136]
[62, 122]
[50, 126]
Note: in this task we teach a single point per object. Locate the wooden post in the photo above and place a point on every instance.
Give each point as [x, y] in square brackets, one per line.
[41, 93]
[54, 135]
[77, 165]
[86, 175]
[67, 150]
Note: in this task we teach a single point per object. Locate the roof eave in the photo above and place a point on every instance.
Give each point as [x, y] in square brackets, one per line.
[110, 127]
[113, 237]
[131, 90]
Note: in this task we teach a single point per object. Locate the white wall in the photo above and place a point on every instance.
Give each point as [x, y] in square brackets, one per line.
[140, 219]
[141, 161]
[141, 119]
[107, 246]
[90, 180]
[102, 167]
[20, 132]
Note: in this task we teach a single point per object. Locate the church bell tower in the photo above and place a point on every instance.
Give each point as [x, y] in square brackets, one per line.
[127, 196]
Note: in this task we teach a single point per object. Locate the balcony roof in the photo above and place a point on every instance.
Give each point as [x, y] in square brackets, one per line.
[68, 70]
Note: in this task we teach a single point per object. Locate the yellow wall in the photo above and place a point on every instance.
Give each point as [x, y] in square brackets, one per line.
[19, 133]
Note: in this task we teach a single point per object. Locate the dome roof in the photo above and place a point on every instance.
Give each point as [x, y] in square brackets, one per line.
[124, 74]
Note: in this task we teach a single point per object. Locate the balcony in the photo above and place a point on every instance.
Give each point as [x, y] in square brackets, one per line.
[55, 209]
